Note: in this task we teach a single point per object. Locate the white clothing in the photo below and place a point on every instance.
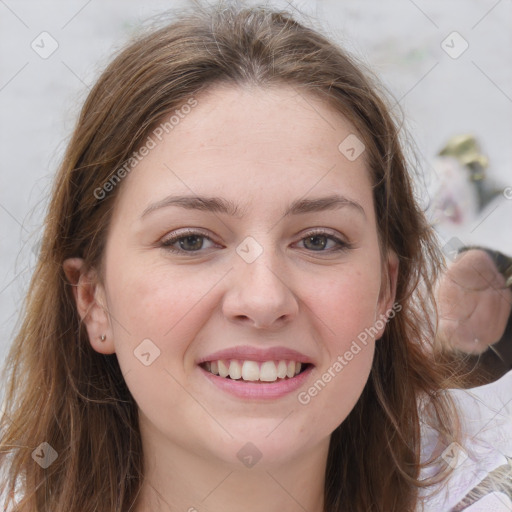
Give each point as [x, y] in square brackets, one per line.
[486, 445]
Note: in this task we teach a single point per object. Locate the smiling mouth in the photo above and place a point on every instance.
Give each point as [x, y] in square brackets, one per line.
[255, 371]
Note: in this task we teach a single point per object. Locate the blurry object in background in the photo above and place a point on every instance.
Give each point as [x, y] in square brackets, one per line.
[460, 189]
[466, 149]
[454, 198]
[475, 304]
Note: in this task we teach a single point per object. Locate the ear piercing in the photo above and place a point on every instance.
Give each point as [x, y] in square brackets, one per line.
[103, 337]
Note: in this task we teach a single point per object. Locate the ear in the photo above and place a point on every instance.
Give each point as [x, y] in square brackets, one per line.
[91, 304]
[385, 309]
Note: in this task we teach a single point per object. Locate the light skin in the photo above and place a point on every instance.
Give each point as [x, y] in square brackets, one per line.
[474, 303]
[280, 147]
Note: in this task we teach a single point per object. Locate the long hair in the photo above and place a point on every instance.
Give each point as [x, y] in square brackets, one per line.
[62, 392]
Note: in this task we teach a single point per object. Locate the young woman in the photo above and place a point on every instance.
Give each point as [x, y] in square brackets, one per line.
[233, 305]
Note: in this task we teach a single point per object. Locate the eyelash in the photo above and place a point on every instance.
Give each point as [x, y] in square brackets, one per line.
[167, 243]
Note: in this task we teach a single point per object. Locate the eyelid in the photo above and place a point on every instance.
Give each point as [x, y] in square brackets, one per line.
[182, 233]
[187, 232]
[321, 231]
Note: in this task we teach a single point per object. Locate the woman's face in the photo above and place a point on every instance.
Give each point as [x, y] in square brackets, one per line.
[293, 275]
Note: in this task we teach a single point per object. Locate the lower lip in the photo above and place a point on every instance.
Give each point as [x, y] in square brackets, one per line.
[256, 391]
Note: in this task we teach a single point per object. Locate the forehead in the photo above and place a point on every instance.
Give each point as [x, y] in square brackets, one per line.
[238, 141]
[249, 117]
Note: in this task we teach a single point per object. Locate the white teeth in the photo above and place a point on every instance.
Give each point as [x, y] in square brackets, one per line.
[290, 371]
[267, 371]
[250, 371]
[223, 369]
[281, 369]
[235, 370]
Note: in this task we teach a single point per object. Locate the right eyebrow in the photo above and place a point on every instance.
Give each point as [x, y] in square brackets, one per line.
[221, 205]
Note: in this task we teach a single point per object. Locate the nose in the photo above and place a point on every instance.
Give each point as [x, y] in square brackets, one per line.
[259, 294]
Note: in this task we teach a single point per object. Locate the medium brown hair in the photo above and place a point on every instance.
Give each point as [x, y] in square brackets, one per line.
[63, 392]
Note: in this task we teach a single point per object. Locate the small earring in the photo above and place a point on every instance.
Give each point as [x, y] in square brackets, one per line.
[103, 337]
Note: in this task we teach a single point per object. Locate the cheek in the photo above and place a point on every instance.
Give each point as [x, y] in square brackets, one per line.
[158, 313]
[347, 306]
[345, 326]
[157, 303]
[152, 294]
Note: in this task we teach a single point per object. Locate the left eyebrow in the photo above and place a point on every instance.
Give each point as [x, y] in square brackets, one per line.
[220, 205]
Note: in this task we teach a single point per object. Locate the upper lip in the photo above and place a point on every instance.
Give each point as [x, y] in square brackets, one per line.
[248, 353]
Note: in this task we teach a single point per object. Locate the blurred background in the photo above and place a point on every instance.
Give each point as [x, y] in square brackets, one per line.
[446, 65]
